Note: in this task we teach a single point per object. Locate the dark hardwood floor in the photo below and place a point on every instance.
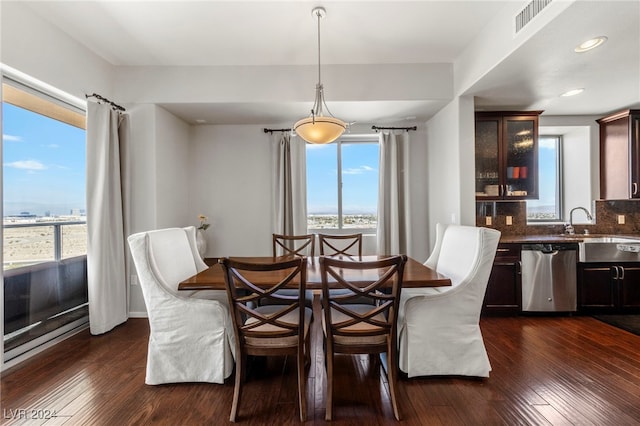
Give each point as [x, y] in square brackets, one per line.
[546, 370]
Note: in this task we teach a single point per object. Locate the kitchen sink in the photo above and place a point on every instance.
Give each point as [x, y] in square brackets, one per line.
[592, 240]
[608, 249]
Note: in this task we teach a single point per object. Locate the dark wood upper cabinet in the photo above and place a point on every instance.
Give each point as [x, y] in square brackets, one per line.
[620, 155]
[506, 155]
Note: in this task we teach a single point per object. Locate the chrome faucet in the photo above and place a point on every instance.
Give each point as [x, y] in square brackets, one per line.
[568, 228]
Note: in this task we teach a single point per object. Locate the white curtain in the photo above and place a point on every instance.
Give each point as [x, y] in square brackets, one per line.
[394, 230]
[289, 185]
[106, 265]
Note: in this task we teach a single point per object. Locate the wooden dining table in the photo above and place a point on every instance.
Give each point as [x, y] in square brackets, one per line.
[415, 274]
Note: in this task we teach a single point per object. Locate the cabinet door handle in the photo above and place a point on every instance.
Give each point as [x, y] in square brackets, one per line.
[616, 272]
[634, 187]
[621, 277]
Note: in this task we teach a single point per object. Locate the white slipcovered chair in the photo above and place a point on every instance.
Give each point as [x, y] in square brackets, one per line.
[191, 334]
[438, 328]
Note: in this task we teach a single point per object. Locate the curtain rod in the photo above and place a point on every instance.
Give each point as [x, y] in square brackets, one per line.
[376, 128]
[103, 99]
[275, 130]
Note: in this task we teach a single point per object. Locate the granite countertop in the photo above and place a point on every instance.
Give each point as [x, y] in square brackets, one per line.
[558, 238]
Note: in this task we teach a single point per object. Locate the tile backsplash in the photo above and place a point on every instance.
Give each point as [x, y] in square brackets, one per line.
[608, 214]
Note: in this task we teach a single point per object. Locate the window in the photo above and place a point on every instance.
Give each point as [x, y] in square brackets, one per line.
[548, 207]
[44, 225]
[342, 185]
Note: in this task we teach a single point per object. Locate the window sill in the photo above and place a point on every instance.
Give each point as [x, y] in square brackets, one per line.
[337, 231]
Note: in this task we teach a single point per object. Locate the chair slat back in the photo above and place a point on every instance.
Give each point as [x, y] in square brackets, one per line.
[378, 318]
[244, 295]
[331, 245]
[297, 245]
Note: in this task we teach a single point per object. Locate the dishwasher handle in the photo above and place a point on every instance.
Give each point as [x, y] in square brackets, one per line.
[549, 248]
[542, 248]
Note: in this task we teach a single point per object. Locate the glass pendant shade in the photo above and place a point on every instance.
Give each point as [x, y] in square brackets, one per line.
[320, 129]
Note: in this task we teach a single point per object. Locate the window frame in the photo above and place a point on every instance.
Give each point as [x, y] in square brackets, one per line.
[28, 93]
[559, 183]
[347, 140]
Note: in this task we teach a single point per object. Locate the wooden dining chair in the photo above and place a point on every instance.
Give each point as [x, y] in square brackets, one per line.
[351, 327]
[331, 245]
[279, 328]
[297, 245]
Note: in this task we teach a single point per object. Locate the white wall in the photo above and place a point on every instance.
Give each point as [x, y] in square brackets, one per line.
[444, 169]
[450, 160]
[498, 41]
[230, 173]
[142, 154]
[160, 175]
[37, 48]
[246, 84]
[467, 155]
[172, 172]
[160, 178]
[580, 171]
[577, 126]
[576, 182]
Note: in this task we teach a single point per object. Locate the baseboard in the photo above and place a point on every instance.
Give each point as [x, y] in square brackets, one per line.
[138, 314]
[35, 347]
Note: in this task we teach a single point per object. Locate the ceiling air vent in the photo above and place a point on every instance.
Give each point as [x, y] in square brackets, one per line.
[529, 12]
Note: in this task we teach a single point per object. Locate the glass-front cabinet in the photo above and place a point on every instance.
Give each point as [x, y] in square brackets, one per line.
[507, 155]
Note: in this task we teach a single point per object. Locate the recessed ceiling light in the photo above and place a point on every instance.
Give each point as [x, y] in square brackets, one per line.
[590, 44]
[572, 92]
[201, 121]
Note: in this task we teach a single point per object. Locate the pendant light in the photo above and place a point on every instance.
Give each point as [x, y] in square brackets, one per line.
[319, 128]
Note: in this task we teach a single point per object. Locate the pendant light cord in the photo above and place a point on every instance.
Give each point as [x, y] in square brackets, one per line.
[318, 15]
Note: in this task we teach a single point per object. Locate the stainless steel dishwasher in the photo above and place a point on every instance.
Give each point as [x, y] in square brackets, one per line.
[549, 277]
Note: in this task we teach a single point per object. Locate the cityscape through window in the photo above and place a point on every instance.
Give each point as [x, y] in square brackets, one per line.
[342, 185]
[548, 206]
[44, 221]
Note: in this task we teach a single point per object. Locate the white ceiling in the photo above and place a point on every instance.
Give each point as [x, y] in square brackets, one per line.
[268, 33]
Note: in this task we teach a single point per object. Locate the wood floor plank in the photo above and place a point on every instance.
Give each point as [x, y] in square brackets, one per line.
[552, 415]
[546, 370]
